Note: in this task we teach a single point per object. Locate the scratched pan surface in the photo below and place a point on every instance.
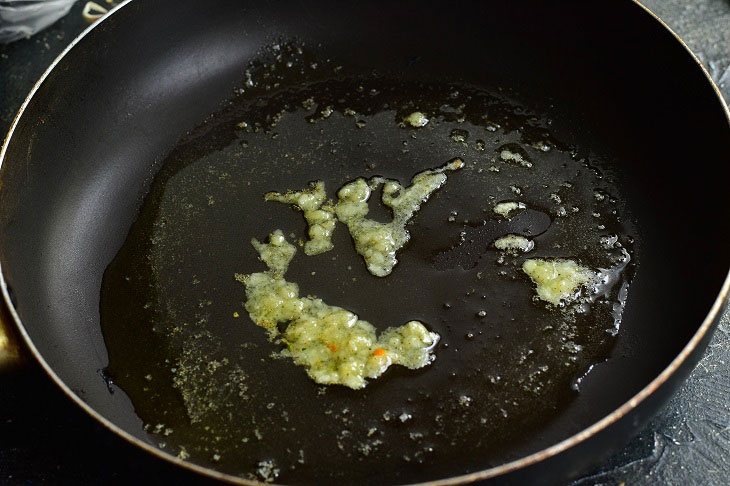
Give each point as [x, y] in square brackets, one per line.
[128, 207]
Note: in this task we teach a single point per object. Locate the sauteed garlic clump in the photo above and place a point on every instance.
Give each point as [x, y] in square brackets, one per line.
[557, 280]
[333, 344]
[378, 242]
[514, 244]
[508, 208]
[318, 211]
[417, 119]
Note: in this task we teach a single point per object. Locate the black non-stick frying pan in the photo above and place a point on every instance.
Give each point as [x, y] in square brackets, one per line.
[127, 208]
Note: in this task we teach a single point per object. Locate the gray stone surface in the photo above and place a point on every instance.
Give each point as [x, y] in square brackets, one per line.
[704, 25]
[688, 442]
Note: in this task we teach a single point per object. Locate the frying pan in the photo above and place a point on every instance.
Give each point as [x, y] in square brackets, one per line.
[84, 151]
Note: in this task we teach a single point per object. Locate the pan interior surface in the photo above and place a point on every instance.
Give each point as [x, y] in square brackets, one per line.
[213, 387]
[78, 167]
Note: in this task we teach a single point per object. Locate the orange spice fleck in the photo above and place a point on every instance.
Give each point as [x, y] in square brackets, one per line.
[332, 347]
[379, 352]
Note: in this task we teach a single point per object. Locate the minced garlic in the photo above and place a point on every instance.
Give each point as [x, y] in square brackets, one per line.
[558, 280]
[504, 209]
[332, 344]
[514, 243]
[416, 119]
[509, 156]
[277, 253]
[378, 242]
[318, 211]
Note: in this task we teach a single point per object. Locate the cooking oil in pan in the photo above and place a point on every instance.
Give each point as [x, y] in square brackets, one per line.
[213, 389]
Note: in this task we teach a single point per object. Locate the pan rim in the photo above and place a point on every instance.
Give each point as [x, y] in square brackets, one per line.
[588, 432]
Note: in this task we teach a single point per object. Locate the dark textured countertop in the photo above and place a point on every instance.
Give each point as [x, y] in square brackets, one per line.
[45, 438]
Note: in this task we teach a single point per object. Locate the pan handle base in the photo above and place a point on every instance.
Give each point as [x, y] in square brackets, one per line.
[11, 352]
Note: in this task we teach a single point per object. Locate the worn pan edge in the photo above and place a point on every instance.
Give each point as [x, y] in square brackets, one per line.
[21, 328]
[623, 410]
